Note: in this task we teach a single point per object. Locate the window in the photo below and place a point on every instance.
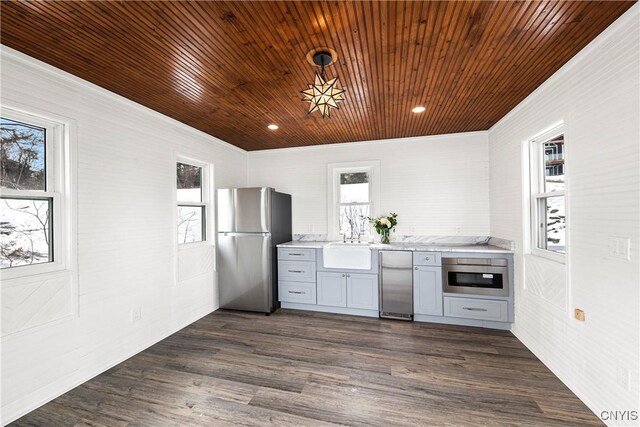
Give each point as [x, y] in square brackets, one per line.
[352, 199]
[32, 190]
[192, 197]
[548, 204]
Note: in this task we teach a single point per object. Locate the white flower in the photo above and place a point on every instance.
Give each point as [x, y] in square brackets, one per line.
[385, 222]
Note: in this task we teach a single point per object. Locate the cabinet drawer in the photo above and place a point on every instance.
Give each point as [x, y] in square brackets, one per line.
[472, 308]
[299, 292]
[297, 254]
[297, 271]
[427, 258]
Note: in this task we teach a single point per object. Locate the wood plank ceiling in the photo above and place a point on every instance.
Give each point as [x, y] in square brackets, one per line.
[231, 68]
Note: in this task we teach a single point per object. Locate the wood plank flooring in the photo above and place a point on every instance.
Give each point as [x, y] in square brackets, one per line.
[306, 369]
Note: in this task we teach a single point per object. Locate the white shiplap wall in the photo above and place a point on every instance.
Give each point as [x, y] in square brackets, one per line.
[597, 96]
[438, 185]
[127, 256]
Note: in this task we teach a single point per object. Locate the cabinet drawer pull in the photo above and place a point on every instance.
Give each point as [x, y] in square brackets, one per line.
[295, 254]
[344, 275]
[474, 309]
[296, 292]
[295, 271]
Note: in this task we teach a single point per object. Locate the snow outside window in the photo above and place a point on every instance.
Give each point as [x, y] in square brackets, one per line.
[192, 209]
[548, 203]
[32, 190]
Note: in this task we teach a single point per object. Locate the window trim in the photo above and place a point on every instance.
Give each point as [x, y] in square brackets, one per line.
[537, 193]
[333, 191]
[207, 190]
[58, 188]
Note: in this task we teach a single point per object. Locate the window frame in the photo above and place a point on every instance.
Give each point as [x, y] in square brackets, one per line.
[57, 189]
[334, 170]
[538, 194]
[207, 198]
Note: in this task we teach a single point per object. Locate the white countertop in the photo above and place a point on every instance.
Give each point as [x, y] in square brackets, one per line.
[409, 247]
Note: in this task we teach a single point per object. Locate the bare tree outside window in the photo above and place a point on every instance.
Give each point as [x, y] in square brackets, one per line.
[354, 205]
[25, 217]
[191, 209]
[22, 156]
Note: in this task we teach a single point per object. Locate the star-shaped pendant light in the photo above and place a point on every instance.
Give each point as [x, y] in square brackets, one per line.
[323, 94]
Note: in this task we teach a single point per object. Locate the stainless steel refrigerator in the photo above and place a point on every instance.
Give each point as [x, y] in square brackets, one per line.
[251, 222]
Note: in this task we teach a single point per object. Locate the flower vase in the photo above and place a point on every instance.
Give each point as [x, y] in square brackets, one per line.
[384, 237]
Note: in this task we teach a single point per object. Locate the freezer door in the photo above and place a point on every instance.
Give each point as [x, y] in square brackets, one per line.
[244, 271]
[245, 210]
[396, 283]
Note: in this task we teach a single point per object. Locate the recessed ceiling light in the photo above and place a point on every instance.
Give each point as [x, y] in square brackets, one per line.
[273, 127]
[419, 109]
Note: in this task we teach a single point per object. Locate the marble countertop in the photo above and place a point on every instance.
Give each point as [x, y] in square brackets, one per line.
[405, 246]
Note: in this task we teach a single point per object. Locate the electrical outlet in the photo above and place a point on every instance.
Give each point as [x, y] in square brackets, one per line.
[458, 230]
[136, 314]
[412, 230]
[311, 228]
[620, 247]
[622, 377]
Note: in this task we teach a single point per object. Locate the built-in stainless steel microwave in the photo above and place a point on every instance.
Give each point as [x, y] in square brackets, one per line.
[476, 276]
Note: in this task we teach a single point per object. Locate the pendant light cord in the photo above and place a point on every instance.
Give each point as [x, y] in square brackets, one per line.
[324, 76]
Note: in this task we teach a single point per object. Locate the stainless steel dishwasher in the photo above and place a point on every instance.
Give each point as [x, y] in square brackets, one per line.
[396, 285]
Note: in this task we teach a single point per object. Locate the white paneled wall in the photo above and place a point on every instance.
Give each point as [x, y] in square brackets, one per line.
[597, 96]
[57, 335]
[438, 185]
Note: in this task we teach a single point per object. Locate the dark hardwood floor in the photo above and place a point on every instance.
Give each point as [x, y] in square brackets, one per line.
[305, 369]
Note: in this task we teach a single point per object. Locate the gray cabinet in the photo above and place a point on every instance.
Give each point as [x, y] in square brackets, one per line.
[362, 291]
[476, 308]
[296, 271]
[297, 254]
[352, 290]
[427, 290]
[427, 283]
[331, 289]
[299, 292]
[297, 275]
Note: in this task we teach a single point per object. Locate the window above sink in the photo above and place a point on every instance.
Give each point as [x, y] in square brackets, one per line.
[354, 195]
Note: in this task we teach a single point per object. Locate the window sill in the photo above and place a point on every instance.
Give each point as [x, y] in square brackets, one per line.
[551, 256]
[195, 245]
[31, 277]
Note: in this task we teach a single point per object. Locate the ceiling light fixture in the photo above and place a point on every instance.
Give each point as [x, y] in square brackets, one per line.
[323, 94]
[419, 109]
[273, 126]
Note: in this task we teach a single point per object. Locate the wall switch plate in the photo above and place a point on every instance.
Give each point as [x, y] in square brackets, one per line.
[620, 247]
[136, 314]
[622, 377]
[579, 314]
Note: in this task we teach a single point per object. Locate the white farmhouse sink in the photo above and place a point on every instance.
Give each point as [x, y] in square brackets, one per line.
[349, 256]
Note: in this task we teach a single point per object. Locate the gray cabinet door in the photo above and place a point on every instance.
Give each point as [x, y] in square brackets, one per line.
[362, 291]
[427, 290]
[244, 271]
[331, 289]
